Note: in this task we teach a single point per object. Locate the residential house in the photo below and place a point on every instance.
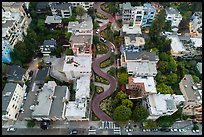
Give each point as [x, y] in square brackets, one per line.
[174, 16]
[53, 22]
[6, 58]
[81, 44]
[12, 99]
[48, 46]
[79, 110]
[195, 25]
[162, 104]
[85, 5]
[17, 74]
[77, 66]
[149, 14]
[142, 56]
[192, 93]
[177, 48]
[134, 43]
[51, 102]
[81, 28]
[62, 9]
[40, 76]
[42, 7]
[140, 86]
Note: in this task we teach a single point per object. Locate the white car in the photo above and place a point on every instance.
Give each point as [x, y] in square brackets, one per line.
[11, 129]
[97, 31]
[197, 131]
[179, 130]
[175, 130]
[144, 130]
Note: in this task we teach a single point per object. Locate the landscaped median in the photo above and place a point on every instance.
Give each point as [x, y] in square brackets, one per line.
[101, 79]
[106, 63]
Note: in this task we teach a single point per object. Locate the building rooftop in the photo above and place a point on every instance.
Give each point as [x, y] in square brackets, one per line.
[190, 89]
[8, 18]
[143, 55]
[197, 42]
[60, 5]
[134, 40]
[170, 10]
[143, 68]
[16, 73]
[58, 106]
[12, 4]
[78, 63]
[176, 44]
[81, 39]
[41, 74]
[7, 94]
[161, 103]
[41, 5]
[127, 5]
[149, 83]
[86, 24]
[53, 19]
[45, 99]
[49, 42]
[131, 30]
[84, 92]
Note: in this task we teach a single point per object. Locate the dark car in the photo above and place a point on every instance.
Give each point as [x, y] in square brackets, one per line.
[31, 73]
[74, 131]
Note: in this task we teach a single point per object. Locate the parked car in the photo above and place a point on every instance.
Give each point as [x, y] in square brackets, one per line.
[11, 129]
[74, 131]
[97, 31]
[102, 39]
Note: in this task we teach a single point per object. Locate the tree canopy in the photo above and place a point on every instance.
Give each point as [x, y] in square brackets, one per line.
[164, 89]
[122, 113]
[140, 113]
[123, 78]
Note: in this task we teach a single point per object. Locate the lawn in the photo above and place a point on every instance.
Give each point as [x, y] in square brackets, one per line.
[101, 48]
[99, 89]
[106, 63]
[106, 106]
[100, 79]
[100, 16]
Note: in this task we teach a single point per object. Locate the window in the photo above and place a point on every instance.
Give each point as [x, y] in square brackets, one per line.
[139, 12]
[13, 106]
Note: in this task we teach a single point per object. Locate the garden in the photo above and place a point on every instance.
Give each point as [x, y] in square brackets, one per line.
[101, 79]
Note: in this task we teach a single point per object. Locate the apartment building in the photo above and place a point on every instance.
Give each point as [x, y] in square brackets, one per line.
[85, 5]
[138, 15]
[174, 16]
[192, 93]
[6, 49]
[53, 22]
[79, 109]
[195, 25]
[48, 46]
[51, 102]
[62, 9]
[12, 99]
[77, 66]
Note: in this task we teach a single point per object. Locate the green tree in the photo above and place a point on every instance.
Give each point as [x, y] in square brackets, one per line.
[68, 35]
[196, 6]
[140, 113]
[164, 89]
[31, 123]
[69, 52]
[128, 103]
[80, 11]
[41, 25]
[172, 79]
[163, 56]
[161, 78]
[122, 114]
[123, 78]
[196, 79]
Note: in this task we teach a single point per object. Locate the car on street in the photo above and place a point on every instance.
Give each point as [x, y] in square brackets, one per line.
[74, 131]
[103, 39]
[97, 31]
[11, 129]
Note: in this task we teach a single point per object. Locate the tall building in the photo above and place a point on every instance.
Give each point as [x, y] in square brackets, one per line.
[6, 49]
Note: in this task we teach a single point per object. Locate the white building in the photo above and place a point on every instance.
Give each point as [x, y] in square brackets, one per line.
[174, 16]
[79, 109]
[142, 68]
[12, 28]
[162, 104]
[51, 102]
[177, 48]
[62, 9]
[199, 67]
[85, 5]
[196, 25]
[83, 28]
[12, 99]
[197, 42]
[134, 43]
[77, 66]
